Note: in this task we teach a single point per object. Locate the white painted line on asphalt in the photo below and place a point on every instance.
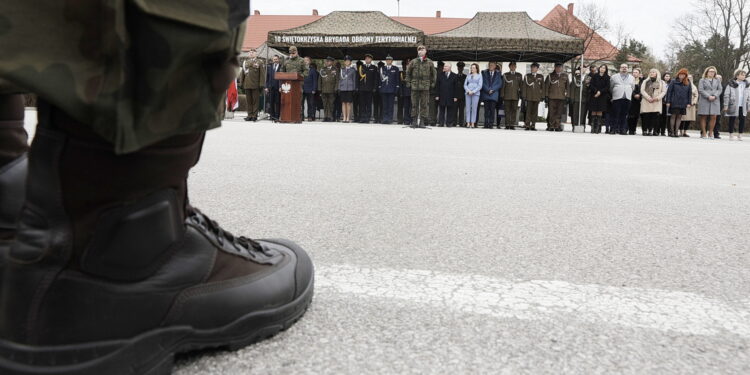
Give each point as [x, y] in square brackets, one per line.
[664, 310]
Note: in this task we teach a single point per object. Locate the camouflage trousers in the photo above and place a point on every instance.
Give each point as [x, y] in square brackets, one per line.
[420, 106]
[136, 71]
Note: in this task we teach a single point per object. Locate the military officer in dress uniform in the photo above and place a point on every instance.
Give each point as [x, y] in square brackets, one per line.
[461, 104]
[556, 94]
[328, 85]
[420, 77]
[390, 82]
[510, 93]
[532, 92]
[377, 103]
[404, 97]
[366, 86]
[252, 81]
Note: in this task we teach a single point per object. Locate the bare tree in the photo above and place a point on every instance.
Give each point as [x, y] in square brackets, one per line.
[590, 23]
[722, 27]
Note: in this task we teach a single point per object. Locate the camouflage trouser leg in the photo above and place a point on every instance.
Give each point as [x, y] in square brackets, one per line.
[137, 71]
[420, 108]
[328, 100]
[252, 96]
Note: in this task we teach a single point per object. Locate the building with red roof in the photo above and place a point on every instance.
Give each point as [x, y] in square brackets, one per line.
[564, 21]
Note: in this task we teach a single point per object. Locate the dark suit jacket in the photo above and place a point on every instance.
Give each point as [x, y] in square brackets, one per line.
[447, 88]
[494, 84]
[271, 82]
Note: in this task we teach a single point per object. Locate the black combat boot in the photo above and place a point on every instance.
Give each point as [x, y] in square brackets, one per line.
[112, 272]
[13, 148]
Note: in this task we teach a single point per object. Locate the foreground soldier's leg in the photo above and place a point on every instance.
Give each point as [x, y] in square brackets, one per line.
[112, 271]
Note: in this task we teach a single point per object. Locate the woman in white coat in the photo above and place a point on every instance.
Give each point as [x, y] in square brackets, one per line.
[653, 90]
[736, 103]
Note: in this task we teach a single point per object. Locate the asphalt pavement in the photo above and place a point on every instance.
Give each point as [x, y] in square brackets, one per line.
[456, 250]
[476, 251]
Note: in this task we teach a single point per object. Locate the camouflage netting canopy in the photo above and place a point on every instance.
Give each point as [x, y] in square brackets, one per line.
[503, 36]
[350, 33]
[266, 52]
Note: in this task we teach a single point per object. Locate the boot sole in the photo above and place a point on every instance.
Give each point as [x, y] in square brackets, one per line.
[151, 353]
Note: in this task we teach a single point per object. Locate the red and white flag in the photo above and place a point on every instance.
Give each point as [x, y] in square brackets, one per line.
[232, 98]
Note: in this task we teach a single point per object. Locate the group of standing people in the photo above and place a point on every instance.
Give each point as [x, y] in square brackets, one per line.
[666, 105]
[423, 94]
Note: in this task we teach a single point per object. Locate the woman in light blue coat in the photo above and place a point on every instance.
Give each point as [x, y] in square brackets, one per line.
[473, 88]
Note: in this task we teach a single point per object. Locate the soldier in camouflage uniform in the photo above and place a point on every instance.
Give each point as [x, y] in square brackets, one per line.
[510, 93]
[420, 78]
[328, 84]
[532, 91]
[252, 81]
[111, 271]
[295, 63]
[556, 94]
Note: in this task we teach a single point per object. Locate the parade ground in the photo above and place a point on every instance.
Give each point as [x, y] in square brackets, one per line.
[474, 251]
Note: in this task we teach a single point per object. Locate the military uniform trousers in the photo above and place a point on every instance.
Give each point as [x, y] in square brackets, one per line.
[532, 113]
[253, 98]
[365, 106]
[420, 106]
[556, 107]
[92, 80]
[328, 105]
[387, 104]
[511, 112]
[377, 105]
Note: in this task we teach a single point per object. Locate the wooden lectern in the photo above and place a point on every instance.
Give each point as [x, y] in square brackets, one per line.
[291, 96]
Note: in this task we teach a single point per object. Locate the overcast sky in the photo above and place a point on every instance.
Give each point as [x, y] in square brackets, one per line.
[647, 20]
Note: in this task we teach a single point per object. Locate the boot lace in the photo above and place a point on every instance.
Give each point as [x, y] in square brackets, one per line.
[221, 236]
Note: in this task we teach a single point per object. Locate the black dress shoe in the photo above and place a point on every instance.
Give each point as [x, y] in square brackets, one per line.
[558, 130]
[248, 119]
